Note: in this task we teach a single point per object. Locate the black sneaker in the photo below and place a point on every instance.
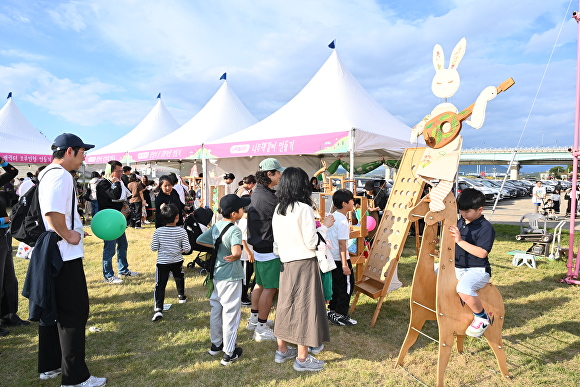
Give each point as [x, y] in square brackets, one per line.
[347, 320]
[227, 360]
[214, 350]
[246, 302]
[335, 318]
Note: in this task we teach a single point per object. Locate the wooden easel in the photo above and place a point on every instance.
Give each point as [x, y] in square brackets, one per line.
[433, 297]
[391, 233]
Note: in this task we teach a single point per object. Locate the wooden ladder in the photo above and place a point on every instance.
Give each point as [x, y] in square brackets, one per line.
[391, 234]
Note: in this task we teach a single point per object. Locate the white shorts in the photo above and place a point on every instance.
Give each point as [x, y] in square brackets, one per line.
[471, 279]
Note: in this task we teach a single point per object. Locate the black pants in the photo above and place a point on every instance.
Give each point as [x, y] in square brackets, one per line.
[135, 216]
[342, 287]
[63, 345]
[557, 206]
[161, 277]
[8, 281]
[247, 284]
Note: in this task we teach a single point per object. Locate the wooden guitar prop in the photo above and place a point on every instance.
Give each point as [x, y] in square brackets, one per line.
[433, 131]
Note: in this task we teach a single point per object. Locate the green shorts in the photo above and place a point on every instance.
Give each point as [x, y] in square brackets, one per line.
[327, 285]
[267, 273]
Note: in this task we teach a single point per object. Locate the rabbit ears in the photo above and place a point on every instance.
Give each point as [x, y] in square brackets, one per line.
[456, 56]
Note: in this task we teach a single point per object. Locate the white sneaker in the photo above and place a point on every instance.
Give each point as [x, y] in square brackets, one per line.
[50, 374]
[264, 333]
[146, 222]
[92, 381]
[113, 280]
[477, 327]
[157, 316]
[252, 324]
[129, 274]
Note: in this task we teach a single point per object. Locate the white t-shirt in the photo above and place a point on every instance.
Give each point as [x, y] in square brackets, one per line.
[243, 225]
[538, 192]
[56, 193]
[340, 230]
[180, 189]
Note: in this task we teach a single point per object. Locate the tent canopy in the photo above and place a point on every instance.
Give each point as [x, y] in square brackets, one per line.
[20, 142]
[318, 120]
[222, 115]
[158, 123]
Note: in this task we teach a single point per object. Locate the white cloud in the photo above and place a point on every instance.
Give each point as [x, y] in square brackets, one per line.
[81, 103]
[22, 55]
[71, 16]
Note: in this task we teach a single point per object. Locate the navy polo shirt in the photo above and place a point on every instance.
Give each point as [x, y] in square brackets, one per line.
[479, 233]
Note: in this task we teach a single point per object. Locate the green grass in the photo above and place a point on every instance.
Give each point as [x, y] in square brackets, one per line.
[541, 333]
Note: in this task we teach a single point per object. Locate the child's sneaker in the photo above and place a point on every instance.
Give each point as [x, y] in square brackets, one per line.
[335, 319]
[310, 364]
[316, 350]
[229, 359]
[214, 350]
[157, 316]
[50, 374]
[264, 333]
[477, 327]
[182, 298]
[347, 320]
[252, 324]
[290, 353]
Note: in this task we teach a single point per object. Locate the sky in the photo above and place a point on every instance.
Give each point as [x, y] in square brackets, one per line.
[94, 68]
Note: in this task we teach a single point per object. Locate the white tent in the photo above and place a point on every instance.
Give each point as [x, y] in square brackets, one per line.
[224, 114]
[156, 124]
[333, 114]
[20, 142]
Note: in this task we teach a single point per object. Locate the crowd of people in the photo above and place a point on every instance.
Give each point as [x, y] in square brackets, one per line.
[267, 230]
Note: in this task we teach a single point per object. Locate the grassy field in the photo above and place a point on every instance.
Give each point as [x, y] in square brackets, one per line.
[541, 333]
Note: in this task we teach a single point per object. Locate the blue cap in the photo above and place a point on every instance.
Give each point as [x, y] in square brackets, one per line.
[69, 140]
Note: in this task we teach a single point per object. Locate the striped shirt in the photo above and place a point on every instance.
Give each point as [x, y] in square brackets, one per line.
[169, 242]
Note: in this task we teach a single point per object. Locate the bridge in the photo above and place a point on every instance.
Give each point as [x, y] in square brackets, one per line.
[524, 156]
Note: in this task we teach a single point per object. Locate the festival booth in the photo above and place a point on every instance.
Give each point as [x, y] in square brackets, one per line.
[20, 142]
[332, 116]
[156, 124]
[223, 114]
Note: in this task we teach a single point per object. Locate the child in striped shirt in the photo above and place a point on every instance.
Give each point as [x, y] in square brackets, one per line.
[170, 242]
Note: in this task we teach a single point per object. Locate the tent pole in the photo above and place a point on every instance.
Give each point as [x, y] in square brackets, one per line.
[205, 193]
[351, 152]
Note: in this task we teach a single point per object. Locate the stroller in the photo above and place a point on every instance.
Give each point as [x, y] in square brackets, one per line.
[195, 224]
[548, 210]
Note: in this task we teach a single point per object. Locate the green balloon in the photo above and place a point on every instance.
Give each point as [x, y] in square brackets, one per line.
[108, 224]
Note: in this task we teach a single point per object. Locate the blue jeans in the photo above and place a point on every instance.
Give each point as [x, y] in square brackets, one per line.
[109, 252]
[95, 207]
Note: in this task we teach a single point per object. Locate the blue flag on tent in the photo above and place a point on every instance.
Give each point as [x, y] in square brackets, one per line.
[332, 45]
[223, 77]
[9, 95]
[159, 95]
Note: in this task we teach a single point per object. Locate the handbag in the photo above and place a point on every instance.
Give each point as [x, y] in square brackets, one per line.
[125, 210]
[324, 256]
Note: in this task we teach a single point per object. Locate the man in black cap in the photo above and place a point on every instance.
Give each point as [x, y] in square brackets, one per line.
[61, 343]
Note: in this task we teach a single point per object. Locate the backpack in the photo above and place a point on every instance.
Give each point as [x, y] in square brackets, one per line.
[87, 194]
[26, 223]
[192, 228]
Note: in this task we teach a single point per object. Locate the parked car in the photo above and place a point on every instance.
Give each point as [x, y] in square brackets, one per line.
[527, 188]
[490, 194]
[361, 181]
[506, 192]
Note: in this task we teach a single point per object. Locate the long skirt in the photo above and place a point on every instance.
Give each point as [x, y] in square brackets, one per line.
[301, 311]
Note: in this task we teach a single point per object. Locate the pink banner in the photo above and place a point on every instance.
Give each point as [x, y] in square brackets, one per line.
[313, 144]
[104, 158]
[26, 158]
[177, 153]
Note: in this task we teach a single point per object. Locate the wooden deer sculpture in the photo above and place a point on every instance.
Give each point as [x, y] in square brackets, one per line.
[434, 297]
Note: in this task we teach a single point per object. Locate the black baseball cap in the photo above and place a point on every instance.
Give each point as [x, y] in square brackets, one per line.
[231, 203]
[370, 185]
[69, 140]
